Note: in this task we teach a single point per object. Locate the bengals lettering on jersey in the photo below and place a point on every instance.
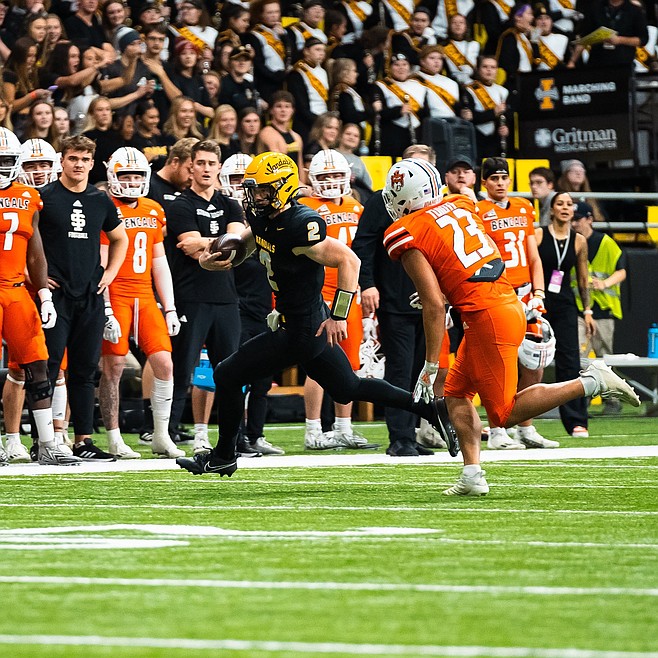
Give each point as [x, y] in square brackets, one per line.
[18, 203]
[509, 228]
[144, 228]
[451, 237]
[342, 220]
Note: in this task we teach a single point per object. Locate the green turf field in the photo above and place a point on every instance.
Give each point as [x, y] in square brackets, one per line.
[560, 560]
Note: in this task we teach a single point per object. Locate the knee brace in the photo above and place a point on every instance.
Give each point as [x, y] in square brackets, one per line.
[37, 391]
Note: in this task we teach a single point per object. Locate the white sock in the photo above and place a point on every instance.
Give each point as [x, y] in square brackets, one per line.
[590, 384]
[13, 437]
[472, 470]
[201, 428]
[343, 425]
[161, 395]
[114, 436]
[43, 419]
[313, 425]
[59, 401]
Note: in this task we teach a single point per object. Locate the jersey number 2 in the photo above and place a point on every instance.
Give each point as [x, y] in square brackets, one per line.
[484, 249]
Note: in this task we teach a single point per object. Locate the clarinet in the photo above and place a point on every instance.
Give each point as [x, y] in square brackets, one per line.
[376, 129]
[502, 121]
[412, 130]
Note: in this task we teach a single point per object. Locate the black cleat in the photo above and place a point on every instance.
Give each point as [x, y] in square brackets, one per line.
[205, 463]
[422, 450]
[402, 448]
[245, 449]
[441, 423]
[179, 437]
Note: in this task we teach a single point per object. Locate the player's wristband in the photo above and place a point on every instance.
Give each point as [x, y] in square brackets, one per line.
[171, 310]
[340, 308]
[539, 293]
[588, 311]
[108, 309]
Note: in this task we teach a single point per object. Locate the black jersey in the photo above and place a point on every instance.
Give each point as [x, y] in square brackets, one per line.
[253, 289]
[191, 212]
[295, 280]
[70, 226]
[162, 191]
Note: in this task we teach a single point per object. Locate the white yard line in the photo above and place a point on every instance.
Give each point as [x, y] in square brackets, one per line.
[345, 459]
[495, 590]
[338, 508]
[318, 647]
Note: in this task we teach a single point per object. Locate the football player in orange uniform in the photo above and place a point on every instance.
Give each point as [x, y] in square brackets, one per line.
[446, 252]
[509, 223]
[329, 175]
[20, 322]
[133, 306]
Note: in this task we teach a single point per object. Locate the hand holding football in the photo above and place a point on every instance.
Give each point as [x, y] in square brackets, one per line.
[231, 247]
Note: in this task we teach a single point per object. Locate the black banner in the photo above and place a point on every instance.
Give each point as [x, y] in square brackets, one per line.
[582, 114]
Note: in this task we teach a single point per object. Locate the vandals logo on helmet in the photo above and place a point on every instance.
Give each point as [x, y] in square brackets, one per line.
[273, 167]
[397, 180]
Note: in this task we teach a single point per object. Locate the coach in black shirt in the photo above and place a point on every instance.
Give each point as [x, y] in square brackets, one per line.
[208, 302]
[73, 216]
[176, 175]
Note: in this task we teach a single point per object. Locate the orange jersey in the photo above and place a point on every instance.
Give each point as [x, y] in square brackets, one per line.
[509, 228]
[451, 237]
[144, 228]
[342, 220]
[18, 203]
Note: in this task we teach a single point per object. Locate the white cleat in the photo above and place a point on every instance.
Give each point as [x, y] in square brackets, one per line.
[500, 440]
[51, 454]
[610, 385]
[427, 436]
[350, 439]
[319, 441]
[122, 451]
[469, 486]
[17, 453]
[531, 438]
[4, 459]
[266, 448]
[201, 443]
[163, 446]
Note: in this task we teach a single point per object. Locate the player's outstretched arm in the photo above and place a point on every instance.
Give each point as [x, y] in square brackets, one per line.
[212, 261]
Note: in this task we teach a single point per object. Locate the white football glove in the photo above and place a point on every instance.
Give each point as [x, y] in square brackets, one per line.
[48, 312]
[414, 301]
[534, 309]
[425, 385]
[173, 323]
[274, 320]
[112, 328]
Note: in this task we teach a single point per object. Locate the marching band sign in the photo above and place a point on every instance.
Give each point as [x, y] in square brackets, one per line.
[583, 114]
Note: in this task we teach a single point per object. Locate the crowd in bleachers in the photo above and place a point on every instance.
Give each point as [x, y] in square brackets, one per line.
[187, 68]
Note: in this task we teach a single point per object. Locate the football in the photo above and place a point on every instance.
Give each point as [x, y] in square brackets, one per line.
[231, 246]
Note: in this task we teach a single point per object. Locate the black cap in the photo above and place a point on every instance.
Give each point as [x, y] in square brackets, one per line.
[145, 7]
[398, 57]
[127, 37]
[459, 160]
[195, 3]
[582, 209]
[493, 166]
[312, 3]
[540, 10]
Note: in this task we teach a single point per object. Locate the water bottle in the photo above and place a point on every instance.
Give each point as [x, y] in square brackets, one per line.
[652, 352]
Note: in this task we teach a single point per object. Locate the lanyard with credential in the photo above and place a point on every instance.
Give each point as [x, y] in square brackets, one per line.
[555, 283]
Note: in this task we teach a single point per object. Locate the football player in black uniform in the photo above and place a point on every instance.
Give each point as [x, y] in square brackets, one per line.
[293, 245]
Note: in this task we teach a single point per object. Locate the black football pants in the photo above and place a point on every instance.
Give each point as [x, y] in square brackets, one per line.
[295, 343]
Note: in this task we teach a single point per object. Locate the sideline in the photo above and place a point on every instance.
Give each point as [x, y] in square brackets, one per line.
[344, 459]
